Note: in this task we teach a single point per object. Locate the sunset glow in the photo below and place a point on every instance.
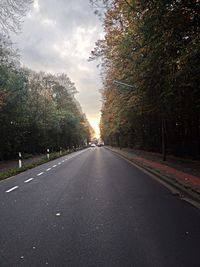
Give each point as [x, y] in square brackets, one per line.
[94, 122]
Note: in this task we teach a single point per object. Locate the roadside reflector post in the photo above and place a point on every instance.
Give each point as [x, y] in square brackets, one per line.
[60, 151]
[20, 159]
[48, 153]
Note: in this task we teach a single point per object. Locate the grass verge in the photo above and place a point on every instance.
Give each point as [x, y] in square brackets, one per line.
[26, 167]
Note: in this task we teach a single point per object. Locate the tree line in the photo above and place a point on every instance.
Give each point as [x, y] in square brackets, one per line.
[155, 47]
[38, 111]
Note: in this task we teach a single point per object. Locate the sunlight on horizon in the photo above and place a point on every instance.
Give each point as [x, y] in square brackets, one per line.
[94, 122]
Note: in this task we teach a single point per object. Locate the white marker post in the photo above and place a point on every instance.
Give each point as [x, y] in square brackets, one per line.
[20, 159]
[48, 153]
[60, 151]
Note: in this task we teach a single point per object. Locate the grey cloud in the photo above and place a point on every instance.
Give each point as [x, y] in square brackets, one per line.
[70, 12]
[58, 38]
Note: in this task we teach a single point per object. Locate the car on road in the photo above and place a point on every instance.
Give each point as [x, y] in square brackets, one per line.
[99, 144]
[93, 145]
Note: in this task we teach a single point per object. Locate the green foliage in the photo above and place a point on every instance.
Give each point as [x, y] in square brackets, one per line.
[153, 45]
[41, 161]
[38, 111]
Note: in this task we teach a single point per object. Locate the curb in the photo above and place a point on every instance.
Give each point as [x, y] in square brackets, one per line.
[187, 193]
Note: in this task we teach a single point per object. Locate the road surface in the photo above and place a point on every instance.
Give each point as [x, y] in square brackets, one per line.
[94, 209]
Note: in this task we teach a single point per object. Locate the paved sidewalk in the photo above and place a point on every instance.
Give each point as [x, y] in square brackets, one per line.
[187, 180]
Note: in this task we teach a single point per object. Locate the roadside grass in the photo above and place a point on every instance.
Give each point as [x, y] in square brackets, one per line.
[54, 155]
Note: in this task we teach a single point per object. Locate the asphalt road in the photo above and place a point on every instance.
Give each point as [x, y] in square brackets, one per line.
[93, 208]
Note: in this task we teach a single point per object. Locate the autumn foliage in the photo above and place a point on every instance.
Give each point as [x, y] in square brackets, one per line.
[154, 46]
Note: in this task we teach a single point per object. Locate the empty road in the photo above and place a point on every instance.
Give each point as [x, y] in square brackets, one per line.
[94, 209]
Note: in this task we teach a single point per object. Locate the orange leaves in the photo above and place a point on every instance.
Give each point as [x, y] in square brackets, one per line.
[119, 63]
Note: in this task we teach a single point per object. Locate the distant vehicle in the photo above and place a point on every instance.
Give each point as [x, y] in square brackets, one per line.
[92, 145]
[99, 144]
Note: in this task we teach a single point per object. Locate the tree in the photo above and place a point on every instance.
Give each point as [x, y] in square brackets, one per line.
[12, 13]
[37, 110]
[153, 45]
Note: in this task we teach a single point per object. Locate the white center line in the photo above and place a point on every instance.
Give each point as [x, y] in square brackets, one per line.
[59, 163]
[54, 166]
[63, 161]
[11, 189]
[40, 173]
[28, 180]
[48, 169]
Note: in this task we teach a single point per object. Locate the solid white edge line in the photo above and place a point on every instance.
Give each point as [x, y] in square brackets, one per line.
[28, 180]
[40, 173]
[11, 189]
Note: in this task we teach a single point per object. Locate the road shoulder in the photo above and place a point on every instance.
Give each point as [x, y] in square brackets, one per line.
[185, 185]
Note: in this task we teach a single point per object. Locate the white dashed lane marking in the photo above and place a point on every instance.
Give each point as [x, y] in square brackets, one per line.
[28, 180]
[11, 189]
[40, 173]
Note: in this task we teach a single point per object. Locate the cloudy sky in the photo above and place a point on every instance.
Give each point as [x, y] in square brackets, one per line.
[57, 36]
